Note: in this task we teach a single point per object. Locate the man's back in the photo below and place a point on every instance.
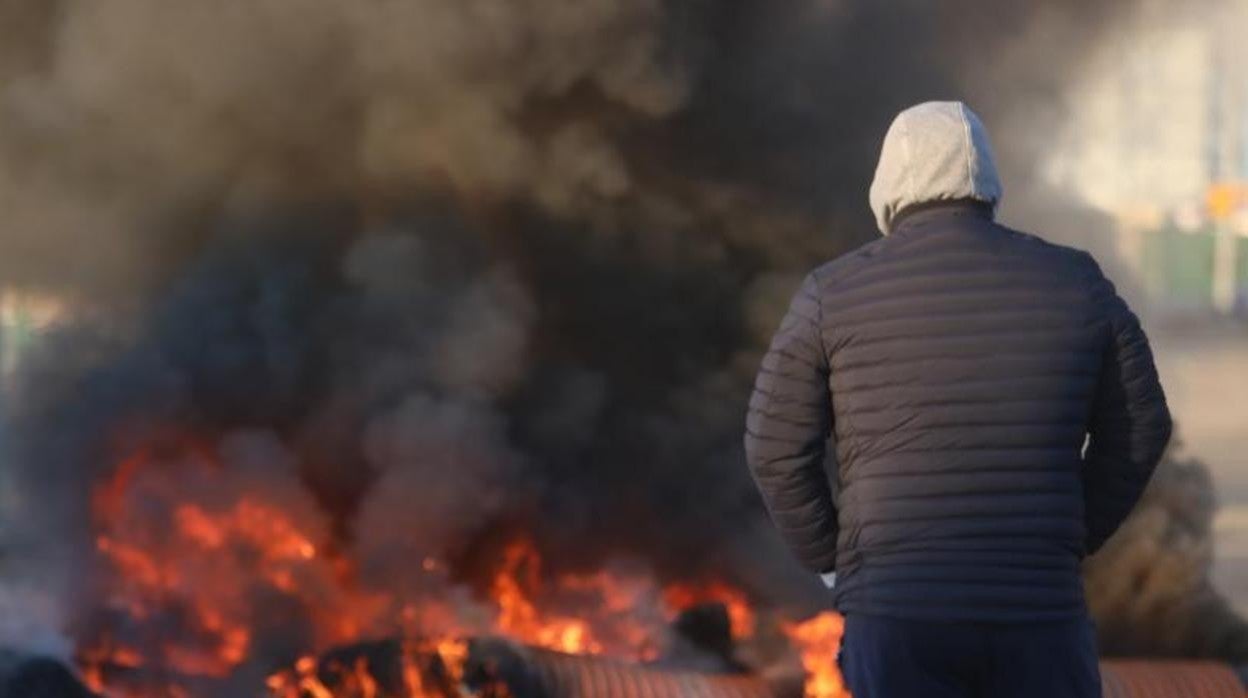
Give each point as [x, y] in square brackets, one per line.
[963, 361]
[996, 414]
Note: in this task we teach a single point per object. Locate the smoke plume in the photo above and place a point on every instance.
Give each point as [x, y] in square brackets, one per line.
[1149, 588]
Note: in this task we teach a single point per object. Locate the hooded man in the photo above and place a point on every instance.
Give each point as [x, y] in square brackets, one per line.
[996, 414]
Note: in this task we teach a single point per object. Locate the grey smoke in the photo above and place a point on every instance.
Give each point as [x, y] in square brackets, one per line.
[1149, 587]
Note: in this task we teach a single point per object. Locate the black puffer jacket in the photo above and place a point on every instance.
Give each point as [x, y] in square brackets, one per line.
[959, 366]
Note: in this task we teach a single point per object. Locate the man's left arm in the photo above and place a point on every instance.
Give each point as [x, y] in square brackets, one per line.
[787, 427]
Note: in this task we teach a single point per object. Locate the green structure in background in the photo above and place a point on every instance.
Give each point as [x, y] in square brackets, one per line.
[1178, 267]
[24, 316]
[1241, 271]
[17, 329]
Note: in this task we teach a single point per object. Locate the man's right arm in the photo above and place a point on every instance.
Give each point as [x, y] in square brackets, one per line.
[1130, 424]
[787, 426]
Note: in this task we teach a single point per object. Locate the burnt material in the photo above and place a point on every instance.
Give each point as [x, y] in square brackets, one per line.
[703, 642]
[38, 677]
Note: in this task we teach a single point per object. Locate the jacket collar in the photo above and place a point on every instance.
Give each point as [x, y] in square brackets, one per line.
[930, 211]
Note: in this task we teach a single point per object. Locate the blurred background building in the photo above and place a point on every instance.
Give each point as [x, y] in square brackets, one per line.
[1158, 139]
[1161, 142]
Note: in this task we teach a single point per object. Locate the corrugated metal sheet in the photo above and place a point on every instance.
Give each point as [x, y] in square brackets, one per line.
[564, 676]
[537, 673]
[1170, 679]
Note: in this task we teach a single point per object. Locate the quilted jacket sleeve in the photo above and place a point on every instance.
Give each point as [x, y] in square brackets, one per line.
[787, 427]
[1130, 422]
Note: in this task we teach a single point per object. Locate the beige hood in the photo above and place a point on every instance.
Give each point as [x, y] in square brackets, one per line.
[935, 151]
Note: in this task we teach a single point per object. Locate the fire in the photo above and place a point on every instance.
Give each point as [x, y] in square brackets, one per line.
[267, 530]
[819, 639]
[196, 563]
[604, 620]
[519, 618]
[190, 569]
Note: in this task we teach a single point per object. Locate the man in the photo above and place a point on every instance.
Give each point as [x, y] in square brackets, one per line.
[996, 414]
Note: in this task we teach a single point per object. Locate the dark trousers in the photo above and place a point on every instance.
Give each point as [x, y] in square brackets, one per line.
[888, 658]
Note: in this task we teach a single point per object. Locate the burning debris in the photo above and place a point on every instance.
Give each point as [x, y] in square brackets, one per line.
[496, 668]
[211, 576]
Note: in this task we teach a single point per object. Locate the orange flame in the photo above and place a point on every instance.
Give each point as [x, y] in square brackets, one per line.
[818, 640]
[189, 567]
